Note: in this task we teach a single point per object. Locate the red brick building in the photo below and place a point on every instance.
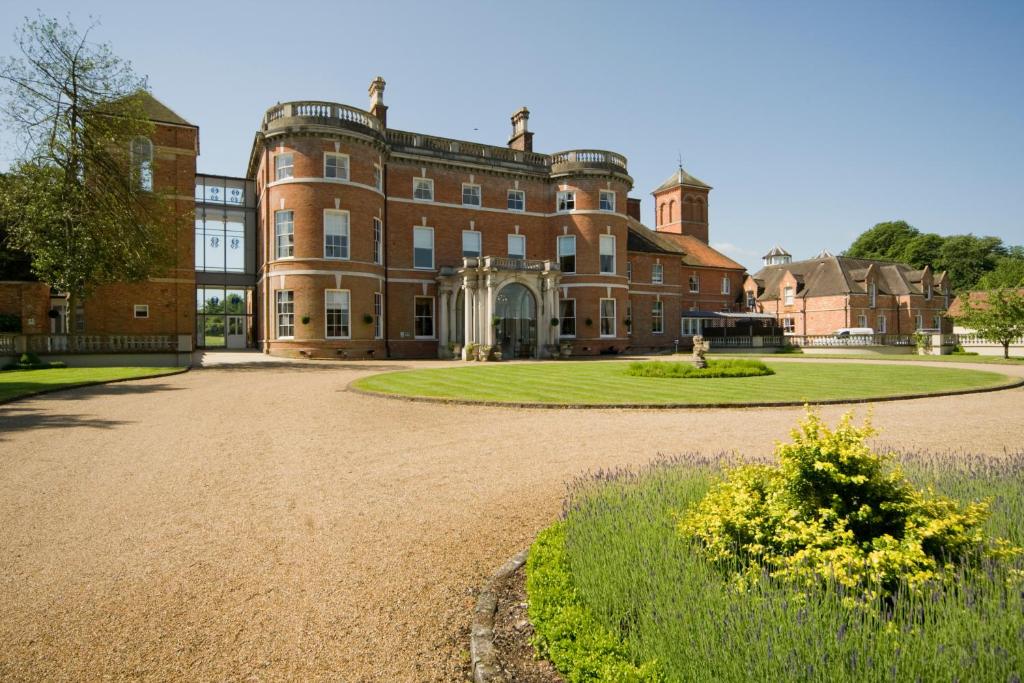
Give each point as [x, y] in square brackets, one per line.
[826, 293]
[376, 241]
[162, 305]
[347, 238]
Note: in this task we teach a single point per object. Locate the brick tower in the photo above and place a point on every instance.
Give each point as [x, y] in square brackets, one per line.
[681, 206]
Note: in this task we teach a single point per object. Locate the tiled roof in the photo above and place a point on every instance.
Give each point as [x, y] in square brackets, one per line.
[777, 251]
[641, 238]
[678, 178]
[831, 275]
[978, 300]
[160, 112]
[699, 253]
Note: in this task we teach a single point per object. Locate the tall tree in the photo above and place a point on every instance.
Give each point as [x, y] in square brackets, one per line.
[1008, 274]
[967, 257]
[999, 317]
[922, 250]
[79, 198]
[883, 241]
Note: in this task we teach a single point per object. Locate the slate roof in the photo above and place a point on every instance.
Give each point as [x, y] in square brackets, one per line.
[777, 251]
[690, 250]
[832, 275]
[678, 178]
[159, 112]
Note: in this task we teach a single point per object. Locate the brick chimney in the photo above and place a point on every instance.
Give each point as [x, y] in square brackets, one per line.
[522, 138]
[633, 208]
[377, 106]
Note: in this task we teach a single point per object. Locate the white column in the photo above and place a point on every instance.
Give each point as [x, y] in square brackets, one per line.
[442, 337]
[467, 313]
[488, 326]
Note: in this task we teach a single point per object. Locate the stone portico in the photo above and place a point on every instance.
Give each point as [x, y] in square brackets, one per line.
[504, 303]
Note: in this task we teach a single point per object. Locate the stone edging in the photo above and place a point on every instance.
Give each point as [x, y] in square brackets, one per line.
[51, 390]
[676, 406]
[483, 657]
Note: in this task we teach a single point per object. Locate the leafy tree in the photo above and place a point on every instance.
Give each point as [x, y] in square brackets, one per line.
[999, 318]
[1009, 273]
[922, 250]
[883, 241]
[74, 200]
[967, 257]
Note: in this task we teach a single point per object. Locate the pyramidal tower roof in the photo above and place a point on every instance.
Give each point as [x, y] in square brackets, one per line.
[681, 177]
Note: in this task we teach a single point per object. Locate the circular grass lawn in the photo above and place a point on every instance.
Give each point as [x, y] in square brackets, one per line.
[607, 383]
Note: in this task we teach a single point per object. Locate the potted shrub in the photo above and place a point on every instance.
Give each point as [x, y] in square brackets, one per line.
[555, 322]
[471, 351]
[483, 352]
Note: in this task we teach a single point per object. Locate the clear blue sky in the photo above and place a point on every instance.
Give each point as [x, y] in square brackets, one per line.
[812, 120]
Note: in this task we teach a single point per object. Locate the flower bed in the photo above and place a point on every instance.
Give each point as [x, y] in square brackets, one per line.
[733, 367]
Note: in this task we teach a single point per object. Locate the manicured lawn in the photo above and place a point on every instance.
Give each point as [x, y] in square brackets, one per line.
[607, 382]
[14, 383]
[952, 358]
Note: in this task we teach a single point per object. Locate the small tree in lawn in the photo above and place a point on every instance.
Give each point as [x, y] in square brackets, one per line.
[79, 199]
[1000, 318]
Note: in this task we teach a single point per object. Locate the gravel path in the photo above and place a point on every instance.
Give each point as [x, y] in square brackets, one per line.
[261, 523]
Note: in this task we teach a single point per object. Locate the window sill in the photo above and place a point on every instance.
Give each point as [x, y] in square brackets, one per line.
[348, 338]
[425, 338]
[420, 199]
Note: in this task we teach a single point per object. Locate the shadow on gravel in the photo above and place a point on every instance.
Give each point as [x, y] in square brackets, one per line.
[16, 418]
[300, 367]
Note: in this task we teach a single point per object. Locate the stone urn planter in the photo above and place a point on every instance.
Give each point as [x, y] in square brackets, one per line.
[483, 352]
[564, 350]
[456, 350]
[496, 354]
[552, 350]
[471, 350]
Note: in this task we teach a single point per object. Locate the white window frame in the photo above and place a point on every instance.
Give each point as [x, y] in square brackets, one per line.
[289, 244]
[561, 320]
[427, 186]
[283, 171]
[629, 270]
[937, 321]
[788, 325]
[657, 274]
[601, 317]
[521, 200]
[423, 229]
[479, 243]
[479, 195]
[378, 315]
[918, 322]
[657, 317]
[862, 320]
[345, 234]
[787, 296]
[433, 317]
[558, 250]
[883, 324]
[142, 162]
[689, 327]
[694, 283]
[751, 300]
[628, 320]
[513, 237]
[140, 308]
[378, 241]
[726, 285]
[378, 177]
[281, 315]
[565, 201]
[602, 241]
[338, 157]
[345, 313]
[928, 293]
[872, 295]
[606, 197]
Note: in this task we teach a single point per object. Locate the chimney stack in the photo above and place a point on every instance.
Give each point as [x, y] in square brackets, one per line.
[633, 208]
[377, 107]
[522, 138]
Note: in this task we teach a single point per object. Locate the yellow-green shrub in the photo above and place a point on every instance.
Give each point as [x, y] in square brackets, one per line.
[835, 511]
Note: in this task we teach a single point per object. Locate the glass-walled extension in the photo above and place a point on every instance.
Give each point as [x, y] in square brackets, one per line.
[225, 259]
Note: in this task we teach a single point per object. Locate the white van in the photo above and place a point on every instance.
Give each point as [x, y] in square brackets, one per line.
[844, 332]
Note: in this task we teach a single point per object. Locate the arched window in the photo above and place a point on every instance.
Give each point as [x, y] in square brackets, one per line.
[661, 217]
[700, 209]
[671, 211]
[142, 163]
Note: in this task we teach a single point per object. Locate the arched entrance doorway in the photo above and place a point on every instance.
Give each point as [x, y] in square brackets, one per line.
[516, 328]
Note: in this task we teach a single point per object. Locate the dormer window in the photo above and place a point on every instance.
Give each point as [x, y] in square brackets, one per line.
[787, 296]
[872, 295]
[928, 292]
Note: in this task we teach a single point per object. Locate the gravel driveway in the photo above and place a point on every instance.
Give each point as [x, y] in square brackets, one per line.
[258, 522]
